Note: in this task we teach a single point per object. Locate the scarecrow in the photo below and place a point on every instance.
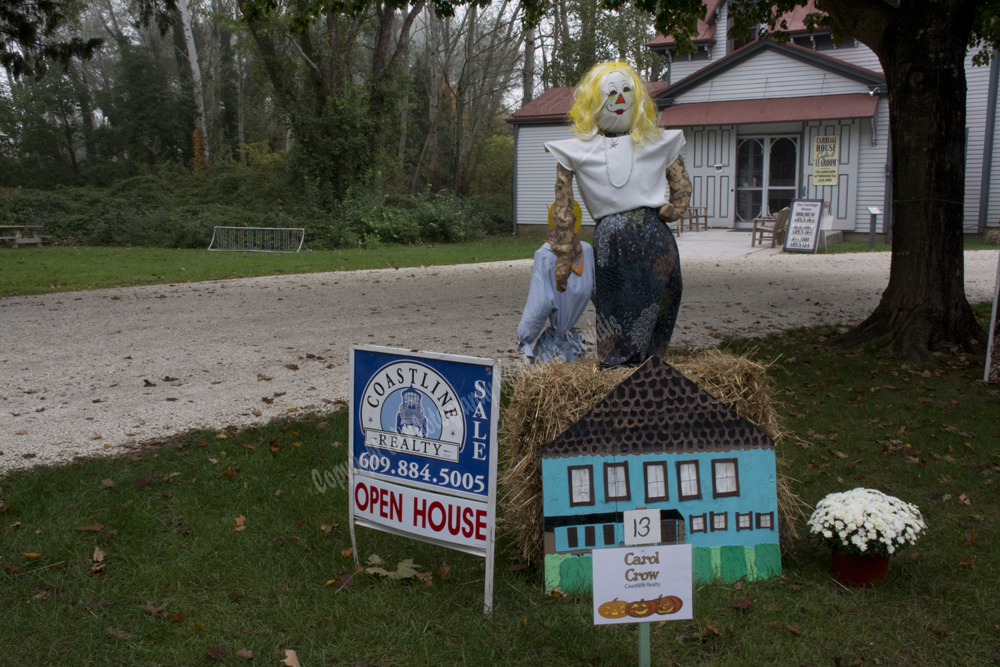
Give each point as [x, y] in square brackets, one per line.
[559, 308]
[624, 163]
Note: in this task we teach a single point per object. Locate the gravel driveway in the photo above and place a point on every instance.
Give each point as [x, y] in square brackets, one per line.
[85, 373]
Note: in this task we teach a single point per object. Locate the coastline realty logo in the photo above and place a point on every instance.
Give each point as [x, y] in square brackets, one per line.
[409, 408]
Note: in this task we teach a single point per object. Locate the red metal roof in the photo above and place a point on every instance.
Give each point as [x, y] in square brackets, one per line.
[706, 29]
[772, 110]
[554, 104]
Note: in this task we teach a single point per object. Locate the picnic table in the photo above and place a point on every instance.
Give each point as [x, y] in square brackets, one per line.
[15, 235]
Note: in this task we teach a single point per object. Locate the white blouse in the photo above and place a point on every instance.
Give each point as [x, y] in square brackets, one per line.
[613, 177]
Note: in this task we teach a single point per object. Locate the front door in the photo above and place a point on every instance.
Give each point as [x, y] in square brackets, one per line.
[766, 176]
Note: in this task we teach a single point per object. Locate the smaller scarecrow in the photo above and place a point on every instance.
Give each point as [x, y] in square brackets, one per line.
[560, 309]
[623, 162]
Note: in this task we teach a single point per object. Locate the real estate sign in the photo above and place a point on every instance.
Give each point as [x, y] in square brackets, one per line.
[826, 159]
[641, 584]
[423, 437]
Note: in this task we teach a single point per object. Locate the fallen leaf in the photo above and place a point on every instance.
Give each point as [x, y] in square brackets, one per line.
[343, 581]
[794, 630]
[944, 479]
[426, 577]
[212, 461]
[794, 587]
[12, 569]
[142, 481]
[347, 553]
[326, 528]
[970, 537]
[217, 652]
[149, 384]
[741, 603]
[291, 660]
[119, 634]
[98, 555]
[445, 572]
[221, 436]
[977, 517]
[107, 482]
[21, 432]
[229, 472]
[95, 528]
[175, 617]
[940, 634]
[291, 367]
[321, 425]
[263, 378]
[968, 562]
[239, 523]
[964, 499]
[155, 611]
[31, 556]
[236, 597]
[244, 653]
[293, 409]
[708, 631]
[96, 568]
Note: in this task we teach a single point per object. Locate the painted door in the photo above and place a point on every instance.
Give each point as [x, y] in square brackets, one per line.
[711, 165]
[843, 196]
[767, 176]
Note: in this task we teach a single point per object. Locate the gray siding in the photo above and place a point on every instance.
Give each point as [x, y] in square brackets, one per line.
[771, 75]
[536, 174]
[978, 84]
[872, 160]
[682, 67]
[860, 56]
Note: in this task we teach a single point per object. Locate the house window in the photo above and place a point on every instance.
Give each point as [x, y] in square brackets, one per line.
[697, 523]
[765, 520]
[725, 478]
[718, 521]
[609, 533]
[744, 521]
[689, 481]
[589, 536]
[616, 486]
[581, 485]
[571, 539]
[655, 477]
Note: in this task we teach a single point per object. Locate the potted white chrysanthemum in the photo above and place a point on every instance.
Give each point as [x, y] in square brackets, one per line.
[864, 527]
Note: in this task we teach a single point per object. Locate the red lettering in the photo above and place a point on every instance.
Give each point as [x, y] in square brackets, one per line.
[373, 494]
[467, 518]
[362, 506]
[480, 514]
[396, 508]
[382, 502]
[437, 506]
[419, 512]
[455, 512]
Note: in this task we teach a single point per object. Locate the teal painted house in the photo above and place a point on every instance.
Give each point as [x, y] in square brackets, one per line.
[659, 441]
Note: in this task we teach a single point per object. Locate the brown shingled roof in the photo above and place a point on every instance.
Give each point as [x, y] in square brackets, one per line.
[657, 410]
[706, 29]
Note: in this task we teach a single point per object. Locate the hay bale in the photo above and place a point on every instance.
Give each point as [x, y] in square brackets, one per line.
[993, 237]
[547, 399]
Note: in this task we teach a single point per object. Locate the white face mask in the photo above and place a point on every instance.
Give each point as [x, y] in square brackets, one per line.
[616, 113]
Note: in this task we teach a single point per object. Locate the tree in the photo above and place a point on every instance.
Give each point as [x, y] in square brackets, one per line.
[29, 39]
[921, 45]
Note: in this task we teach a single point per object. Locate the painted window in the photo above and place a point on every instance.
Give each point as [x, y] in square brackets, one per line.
[689, 481]
[765, 520]
[589, 536]
[744, 521]
[718, 521]
[616, 481]
[697, 523]
[609, 533]
[571, 538]
[655, 477]
[725, 478]
[581, 485]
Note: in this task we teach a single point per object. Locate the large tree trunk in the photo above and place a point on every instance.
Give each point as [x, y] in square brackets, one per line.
[921, 47]
[199, 96]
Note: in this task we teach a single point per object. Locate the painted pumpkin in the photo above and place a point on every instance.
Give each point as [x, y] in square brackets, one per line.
[670, 604]
[613, 609]
[641, 608]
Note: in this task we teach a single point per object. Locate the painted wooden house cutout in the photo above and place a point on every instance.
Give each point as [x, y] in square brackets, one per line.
[660, 441]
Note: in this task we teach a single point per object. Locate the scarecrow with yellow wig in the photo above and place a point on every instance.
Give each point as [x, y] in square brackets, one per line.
[623, 163]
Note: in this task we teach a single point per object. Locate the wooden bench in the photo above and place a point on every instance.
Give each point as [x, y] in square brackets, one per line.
[15, 235]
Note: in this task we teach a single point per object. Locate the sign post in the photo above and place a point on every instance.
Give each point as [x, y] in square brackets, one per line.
[874, 211]
[423, 437]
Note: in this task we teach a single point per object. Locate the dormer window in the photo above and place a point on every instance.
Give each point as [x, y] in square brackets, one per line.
[822, 41]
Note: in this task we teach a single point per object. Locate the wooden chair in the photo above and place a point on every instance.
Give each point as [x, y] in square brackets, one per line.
[770, 227]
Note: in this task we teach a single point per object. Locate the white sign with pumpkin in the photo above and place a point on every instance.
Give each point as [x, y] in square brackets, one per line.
[642, 584]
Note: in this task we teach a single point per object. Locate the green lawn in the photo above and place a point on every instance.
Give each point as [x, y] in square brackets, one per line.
[33, 270]
[971, 243]
[927, 434]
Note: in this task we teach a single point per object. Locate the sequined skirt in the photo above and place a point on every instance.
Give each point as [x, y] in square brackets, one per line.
[638, 286]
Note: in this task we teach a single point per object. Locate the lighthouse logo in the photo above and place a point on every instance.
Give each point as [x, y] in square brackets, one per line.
[409, 408]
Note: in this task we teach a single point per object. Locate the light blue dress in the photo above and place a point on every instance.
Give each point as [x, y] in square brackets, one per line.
[560, 310]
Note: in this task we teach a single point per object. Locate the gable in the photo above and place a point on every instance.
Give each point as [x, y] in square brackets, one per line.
[657, 410]
[765, 69]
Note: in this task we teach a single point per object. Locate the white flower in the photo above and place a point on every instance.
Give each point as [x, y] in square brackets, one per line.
[864, 518]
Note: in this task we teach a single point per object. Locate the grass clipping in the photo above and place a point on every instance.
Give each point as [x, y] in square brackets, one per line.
[546, 399]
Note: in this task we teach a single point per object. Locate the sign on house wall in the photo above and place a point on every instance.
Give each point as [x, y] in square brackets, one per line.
[826, 159]
[641, 584]
[423, 436]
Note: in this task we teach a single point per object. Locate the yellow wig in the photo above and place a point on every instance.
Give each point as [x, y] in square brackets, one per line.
[589, 98]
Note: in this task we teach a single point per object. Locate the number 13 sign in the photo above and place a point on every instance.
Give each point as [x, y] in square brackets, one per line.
[642, 527]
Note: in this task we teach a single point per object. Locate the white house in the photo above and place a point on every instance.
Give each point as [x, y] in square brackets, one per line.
[751, 116]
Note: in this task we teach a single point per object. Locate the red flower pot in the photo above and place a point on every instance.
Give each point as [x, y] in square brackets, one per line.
[856, 570]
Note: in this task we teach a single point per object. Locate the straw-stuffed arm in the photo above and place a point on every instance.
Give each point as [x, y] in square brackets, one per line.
[563, 220]
[680, 192]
